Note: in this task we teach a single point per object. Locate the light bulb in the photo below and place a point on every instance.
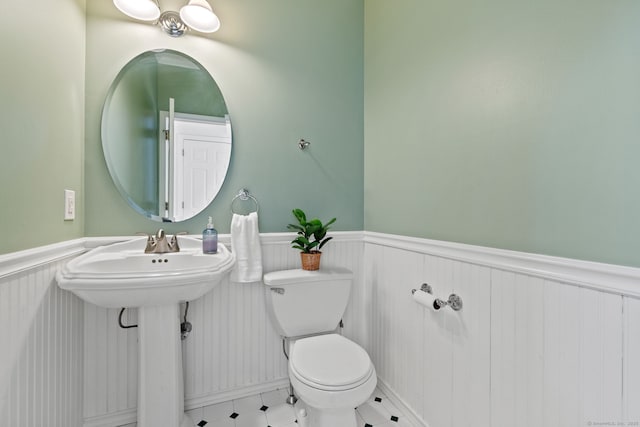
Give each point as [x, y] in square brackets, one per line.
[145, 10]
[198, 15]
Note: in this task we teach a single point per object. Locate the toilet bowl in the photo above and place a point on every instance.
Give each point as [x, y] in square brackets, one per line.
[331, 375]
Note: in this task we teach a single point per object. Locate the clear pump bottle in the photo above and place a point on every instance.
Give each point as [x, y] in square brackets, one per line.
[210, 239]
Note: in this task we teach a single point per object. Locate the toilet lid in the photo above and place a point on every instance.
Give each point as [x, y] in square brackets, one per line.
[330, 360]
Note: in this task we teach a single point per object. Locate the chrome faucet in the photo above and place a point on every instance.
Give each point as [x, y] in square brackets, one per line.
[159, 244]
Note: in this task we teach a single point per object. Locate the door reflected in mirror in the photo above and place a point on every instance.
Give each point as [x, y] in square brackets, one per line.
[166, 135]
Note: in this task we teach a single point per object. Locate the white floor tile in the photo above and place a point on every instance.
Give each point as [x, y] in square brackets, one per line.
[196, 415]
[275, 397]
[403, 422]
[280, 415]
[400, 423]
[374, 413]
[251, 419]
[217, 411]
[223, 422]
[247, 404]
[376, 393]
[390, 407]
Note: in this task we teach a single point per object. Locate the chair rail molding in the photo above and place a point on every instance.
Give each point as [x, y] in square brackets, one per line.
[616, 279]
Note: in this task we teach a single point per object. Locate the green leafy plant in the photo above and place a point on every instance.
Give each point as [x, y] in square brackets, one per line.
[312, 234]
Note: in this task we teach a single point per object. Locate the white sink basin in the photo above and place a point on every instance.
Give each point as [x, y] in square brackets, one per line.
[122, 275]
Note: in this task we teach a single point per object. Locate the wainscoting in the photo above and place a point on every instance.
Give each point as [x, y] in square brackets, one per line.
[40, 341]
[540, 341]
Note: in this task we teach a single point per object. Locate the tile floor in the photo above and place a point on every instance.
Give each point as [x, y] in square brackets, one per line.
[270, 410]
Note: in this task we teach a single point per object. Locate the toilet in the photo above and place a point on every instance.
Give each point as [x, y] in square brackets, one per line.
[331, 374]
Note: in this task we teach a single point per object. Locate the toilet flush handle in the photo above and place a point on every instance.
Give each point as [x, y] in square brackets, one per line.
[278, 290]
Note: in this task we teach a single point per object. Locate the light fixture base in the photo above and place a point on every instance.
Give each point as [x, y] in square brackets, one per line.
[171, 23]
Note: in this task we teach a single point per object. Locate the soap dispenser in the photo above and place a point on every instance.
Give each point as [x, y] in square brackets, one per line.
[210, 239]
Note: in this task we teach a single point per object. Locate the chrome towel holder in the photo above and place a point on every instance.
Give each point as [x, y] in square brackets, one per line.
[244, 195]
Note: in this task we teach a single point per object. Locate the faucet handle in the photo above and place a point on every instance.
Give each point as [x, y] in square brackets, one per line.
[151, 244]
[173, 244]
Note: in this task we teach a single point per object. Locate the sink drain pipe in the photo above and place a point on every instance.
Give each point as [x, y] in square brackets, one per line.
[122, 325]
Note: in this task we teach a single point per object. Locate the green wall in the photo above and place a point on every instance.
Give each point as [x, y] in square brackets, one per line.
[287, 70]
[41, 120]
[193, 91]
[509, 124]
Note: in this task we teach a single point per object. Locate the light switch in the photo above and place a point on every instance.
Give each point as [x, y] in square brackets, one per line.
[69, 205]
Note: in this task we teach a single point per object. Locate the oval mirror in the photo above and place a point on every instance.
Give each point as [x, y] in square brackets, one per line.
[166, 135]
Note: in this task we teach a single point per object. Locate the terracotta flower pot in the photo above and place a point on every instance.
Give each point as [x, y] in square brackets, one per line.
[311, 260]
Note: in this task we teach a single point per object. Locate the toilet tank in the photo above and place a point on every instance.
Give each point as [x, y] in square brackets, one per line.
[303, 302]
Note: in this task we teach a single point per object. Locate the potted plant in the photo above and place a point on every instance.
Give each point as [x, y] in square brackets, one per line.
[312, 236]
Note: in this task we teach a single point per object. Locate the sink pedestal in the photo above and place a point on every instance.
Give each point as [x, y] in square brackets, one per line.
[160, 383]
[123, 275]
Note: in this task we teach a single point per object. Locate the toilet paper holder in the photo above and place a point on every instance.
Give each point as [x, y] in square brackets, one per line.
[454, 301]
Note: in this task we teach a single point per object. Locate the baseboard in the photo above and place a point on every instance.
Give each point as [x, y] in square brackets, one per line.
[239, 393]
[413, 418]
[112, 419]
[129, 416]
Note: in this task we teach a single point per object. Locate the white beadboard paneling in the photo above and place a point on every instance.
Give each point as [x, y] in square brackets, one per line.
[437, 362]
[41, 346]
[471, 347]
[401, 354]
[540, 340]
[517, 347]
[373, 273]
[529, 349]
[631, 378]
[553, 395]
[601, 352]
[349, 253]
[583, 353]
[438, 348]
[555, 353]
[233, 344]
[503, 363]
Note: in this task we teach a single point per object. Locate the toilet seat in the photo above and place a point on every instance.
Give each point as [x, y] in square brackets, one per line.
[330, 362]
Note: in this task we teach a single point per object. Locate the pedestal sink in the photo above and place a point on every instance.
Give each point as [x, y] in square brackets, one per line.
[122, 275]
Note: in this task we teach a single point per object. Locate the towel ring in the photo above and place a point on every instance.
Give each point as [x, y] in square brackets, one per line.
[244, 195]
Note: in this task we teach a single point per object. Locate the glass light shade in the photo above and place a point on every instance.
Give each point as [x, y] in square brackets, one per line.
[145, 10]
[198, 15]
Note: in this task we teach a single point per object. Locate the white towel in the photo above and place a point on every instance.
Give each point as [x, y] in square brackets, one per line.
[245, 243]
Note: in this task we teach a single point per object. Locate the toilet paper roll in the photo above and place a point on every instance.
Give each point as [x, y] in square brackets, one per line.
[426, 299]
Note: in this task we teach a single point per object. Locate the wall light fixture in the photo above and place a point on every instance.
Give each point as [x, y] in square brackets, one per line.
[196, 14]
